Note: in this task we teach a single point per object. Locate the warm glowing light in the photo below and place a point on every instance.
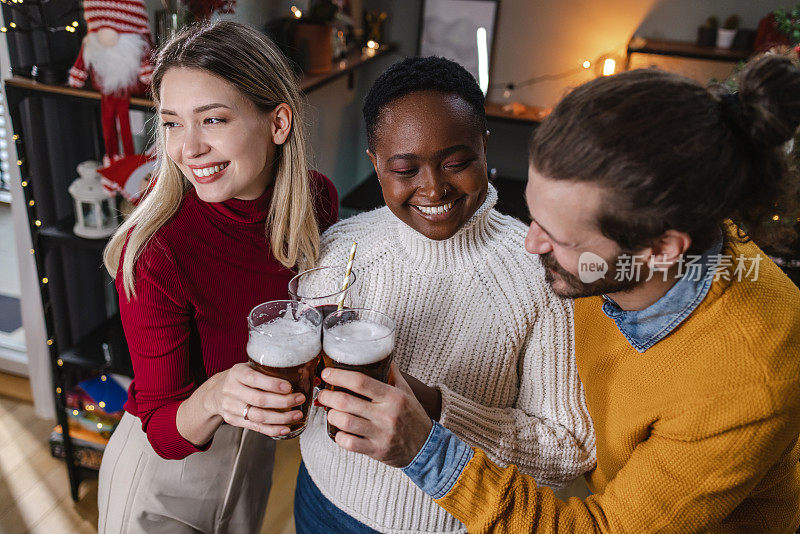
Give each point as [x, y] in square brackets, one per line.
[24, 184]
[49, 342]
[32, 251]
[58, 390]
[74, 412]
[101, 404]
[60, 362]
[31, 203]
[609, 65]
[90, 407]
[103, 378]
[45, 280]
[13, 25]
[19, 162]
[15, 137]
[373, 45]
[75, 23]
[587, 64]
[99, 425]
[37, 222]
[776, 217]
[3, 29]
[297, 13]
[483, 60]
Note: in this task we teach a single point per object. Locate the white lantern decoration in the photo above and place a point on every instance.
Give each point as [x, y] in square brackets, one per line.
[95, 213]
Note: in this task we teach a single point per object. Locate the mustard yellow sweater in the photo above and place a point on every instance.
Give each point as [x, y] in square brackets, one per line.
[697, 434]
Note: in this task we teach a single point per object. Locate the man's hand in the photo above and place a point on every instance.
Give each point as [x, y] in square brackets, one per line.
[390, 427]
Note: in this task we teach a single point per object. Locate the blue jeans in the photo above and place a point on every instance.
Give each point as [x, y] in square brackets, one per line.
[313, 513]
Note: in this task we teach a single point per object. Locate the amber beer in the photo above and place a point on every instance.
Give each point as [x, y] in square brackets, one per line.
[358, 340]
[284, 342]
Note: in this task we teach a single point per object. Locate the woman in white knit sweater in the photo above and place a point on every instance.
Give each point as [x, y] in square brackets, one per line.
[489, 343]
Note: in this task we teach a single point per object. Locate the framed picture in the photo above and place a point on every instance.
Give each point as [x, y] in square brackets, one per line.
[460, 30]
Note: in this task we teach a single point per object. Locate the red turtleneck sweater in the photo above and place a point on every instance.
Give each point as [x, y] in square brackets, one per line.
[195, 282]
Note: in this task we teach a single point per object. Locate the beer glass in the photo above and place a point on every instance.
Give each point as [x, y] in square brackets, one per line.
[360, 340]
[321, 287]
[284, 342]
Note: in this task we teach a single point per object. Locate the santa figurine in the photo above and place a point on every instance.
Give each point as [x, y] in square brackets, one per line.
[115, 54]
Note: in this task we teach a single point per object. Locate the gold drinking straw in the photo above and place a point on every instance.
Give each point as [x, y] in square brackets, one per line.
[346, 282]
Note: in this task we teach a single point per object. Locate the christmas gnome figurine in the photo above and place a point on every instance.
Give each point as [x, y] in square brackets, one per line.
[116, 55]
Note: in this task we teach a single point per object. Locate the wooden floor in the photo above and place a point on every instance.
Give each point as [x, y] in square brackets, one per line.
[34, 491]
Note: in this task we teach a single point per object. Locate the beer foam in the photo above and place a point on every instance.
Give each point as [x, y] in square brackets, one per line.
[359, 346]
[283, 342]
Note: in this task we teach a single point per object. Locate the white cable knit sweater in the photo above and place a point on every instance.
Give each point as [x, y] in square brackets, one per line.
[476, 319]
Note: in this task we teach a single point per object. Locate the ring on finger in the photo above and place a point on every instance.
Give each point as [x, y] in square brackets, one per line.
[244, 412]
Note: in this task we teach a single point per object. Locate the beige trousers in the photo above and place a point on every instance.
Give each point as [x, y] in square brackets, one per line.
[221, 490]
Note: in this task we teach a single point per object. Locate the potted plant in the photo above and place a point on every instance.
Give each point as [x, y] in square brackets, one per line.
[788, 23]
[707, 33]
[727, 33]
[313, 37]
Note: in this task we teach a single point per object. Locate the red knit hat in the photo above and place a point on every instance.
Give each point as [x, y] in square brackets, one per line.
[124, 16]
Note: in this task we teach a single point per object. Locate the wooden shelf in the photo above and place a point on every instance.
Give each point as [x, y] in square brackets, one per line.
[347, 66]
[354, 60]
[104, 347]
[685, 49]
[61, 234]
[529, 115]
[19, 82]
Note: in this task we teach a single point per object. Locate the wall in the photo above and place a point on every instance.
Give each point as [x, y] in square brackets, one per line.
[536, 38]
[678, 19]
[544, 37]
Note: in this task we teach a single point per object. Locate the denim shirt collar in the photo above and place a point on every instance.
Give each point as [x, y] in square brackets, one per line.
[644, 328]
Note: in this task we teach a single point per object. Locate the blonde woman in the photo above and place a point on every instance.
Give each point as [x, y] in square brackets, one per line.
[233, 214]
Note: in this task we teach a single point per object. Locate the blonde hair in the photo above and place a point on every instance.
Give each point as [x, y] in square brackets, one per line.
[254, 65]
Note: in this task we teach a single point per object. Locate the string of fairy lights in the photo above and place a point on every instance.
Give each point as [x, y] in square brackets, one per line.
[31, 203]
[604, 64]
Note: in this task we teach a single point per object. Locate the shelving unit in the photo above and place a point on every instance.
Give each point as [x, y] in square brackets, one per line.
[61, 233]
[55, 128]
[683, 49]
[530, 115]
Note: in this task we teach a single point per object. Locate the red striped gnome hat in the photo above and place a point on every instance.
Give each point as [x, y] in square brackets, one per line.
[124, 16]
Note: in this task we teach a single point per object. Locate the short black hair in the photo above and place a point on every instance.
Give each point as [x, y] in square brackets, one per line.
[422, 74]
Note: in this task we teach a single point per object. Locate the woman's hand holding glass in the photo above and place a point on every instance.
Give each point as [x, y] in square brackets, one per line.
[246, 398]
